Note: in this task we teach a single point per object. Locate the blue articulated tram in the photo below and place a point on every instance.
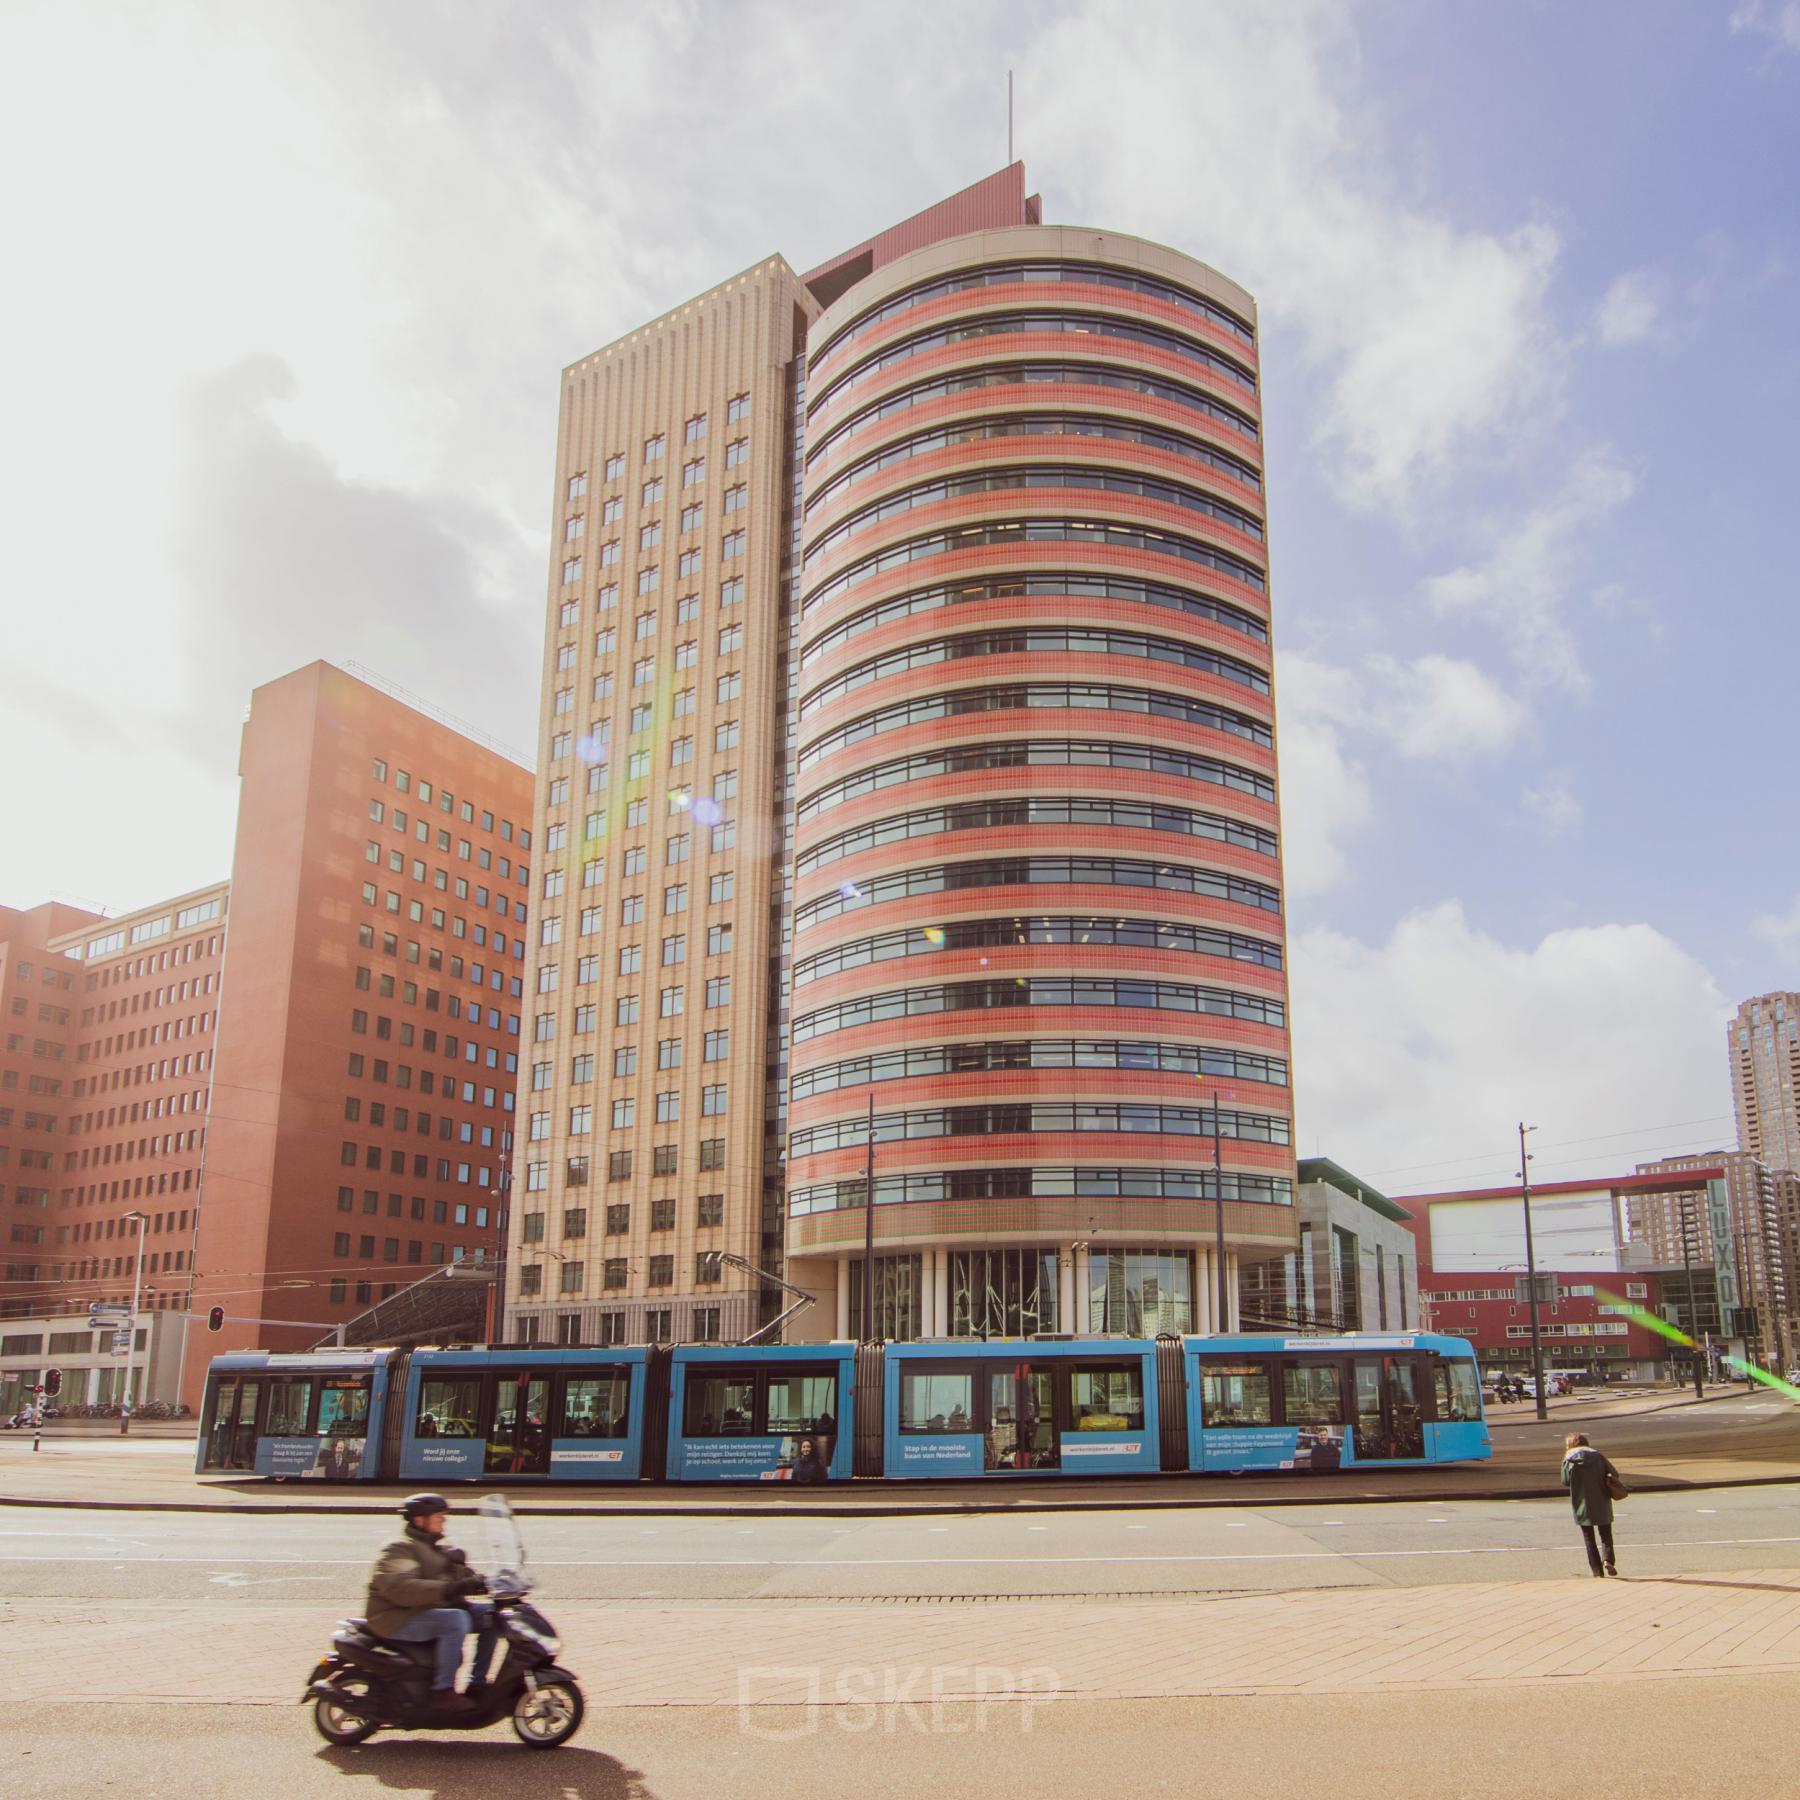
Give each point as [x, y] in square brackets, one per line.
[1038, 1409]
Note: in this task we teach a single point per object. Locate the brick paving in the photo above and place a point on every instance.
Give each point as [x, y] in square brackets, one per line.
[1323, 1641]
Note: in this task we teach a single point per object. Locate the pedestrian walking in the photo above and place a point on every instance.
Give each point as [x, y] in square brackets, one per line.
[1593, 1485]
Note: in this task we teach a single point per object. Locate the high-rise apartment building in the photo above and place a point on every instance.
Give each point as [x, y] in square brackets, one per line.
[1754, 1222]
[1763, 1043]
[908, 756]
[304, 1079]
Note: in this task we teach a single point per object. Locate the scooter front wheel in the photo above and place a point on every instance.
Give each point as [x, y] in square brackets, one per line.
[549, 1714]
[336, 1723]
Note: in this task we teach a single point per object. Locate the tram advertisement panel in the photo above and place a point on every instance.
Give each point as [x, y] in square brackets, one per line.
[326, 1459]
[457, 1458]
[949, 1453]
[734, 1459]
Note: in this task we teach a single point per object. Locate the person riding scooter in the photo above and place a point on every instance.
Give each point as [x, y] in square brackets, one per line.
[420, 1592]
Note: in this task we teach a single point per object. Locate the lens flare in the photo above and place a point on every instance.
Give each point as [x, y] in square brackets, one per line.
[1639, 1315]
[934, 935]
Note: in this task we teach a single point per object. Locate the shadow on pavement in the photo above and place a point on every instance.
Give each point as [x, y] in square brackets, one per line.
[1758, 1587]
[480, 1770]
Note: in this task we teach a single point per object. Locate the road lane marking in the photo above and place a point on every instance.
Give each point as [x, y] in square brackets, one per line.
[995, 1562]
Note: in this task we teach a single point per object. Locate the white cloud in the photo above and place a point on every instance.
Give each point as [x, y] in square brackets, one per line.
[1781, 932]
[1415, 1057]
[1432, 335]
[1778, 20]
[1435, 709]
[1629, 311]
[1520, 586]
[1554, 805]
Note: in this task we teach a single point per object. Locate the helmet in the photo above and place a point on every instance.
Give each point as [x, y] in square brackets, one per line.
[422, 1506]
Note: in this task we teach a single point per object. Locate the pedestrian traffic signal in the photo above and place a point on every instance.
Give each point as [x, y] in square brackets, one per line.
[52, 1383]
[215, 1320]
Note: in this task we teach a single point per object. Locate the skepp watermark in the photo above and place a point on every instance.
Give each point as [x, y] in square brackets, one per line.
[783, 1702]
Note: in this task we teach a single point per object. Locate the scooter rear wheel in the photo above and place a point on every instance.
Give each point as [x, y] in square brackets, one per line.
[548, 1715]
[338, 1724]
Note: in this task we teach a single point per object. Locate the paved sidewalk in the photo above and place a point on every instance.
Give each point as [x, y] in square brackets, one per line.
[779, 1653]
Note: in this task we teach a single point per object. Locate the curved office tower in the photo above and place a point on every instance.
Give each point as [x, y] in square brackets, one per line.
[1036, 877]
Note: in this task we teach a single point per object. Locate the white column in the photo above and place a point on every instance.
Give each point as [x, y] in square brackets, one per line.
[1231, 1290]
[1206, 1308]
[843, 1298]
[1065, 1288]
[1084, 1290]
[928, 1291]
[940, 1282]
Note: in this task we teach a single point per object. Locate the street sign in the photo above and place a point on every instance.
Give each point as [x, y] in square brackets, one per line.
[110, 1322]
[121, 1343]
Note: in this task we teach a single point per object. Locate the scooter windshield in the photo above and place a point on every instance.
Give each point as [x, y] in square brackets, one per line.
[502, 1549]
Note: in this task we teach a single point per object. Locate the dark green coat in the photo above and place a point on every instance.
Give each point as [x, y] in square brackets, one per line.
[1584, 1473]
[412, 1575]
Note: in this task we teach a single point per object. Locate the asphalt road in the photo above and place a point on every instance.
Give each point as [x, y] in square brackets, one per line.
[236, 1560]
[1706, 1739]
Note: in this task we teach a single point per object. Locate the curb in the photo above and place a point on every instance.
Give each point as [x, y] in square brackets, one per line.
[899, 1509]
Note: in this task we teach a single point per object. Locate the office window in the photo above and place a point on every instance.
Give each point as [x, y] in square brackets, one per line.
[693, 515]
[649, 536]
[665, 1160]
[618, 1168]
[737, 498]
[732, 544]
[668, 1106]
[727, 734]
[712, 1153]
[652, 491]
[718, 940]
[687, 564]
[662, 1271]
[718, 1046]
[615, 466]
[668, 1053]
[618, 1218]
[721, 887]
[631, 909]
[577, 485]
[653, 448]
[737, 452]
[731, 637]
[712, 1209]
[718, 991]
[574, 1223]
[732, 591]
[674, 949]
[677, 848]
[672, 1003]
[736, 408]
[625, 1060]
[615, 1272]
[631, 959]
[695, 429]
[643, 671]
[581, 1120]
[712, 1099]
[693, 472]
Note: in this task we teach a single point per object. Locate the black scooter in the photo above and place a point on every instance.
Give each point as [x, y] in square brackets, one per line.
[369, 1683]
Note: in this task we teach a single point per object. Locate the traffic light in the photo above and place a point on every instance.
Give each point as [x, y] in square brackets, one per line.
[52, 1383]
[215, 1320]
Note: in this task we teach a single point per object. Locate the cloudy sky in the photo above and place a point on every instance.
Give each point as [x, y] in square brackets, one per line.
[290, 286]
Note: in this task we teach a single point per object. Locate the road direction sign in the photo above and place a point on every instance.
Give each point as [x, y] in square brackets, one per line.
[121, 1343]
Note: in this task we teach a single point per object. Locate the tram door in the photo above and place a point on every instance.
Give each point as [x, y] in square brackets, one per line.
[233, 1441]
[1021, 1431]
[519, 1439]
[1388, 1414]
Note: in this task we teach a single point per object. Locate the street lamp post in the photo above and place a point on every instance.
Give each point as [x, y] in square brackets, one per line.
[137, 1292]
[1537, 1336]
[1219, 1217]
[868, 1259]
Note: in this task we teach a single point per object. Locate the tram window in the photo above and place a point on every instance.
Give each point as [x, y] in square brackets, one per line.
[799, 1402]
[595, 1406]
[1236, 1394]
[1458, 1391]
[1107, 1399]
[344, 1406]
[721, 1404]
[940, 1401]
[290, 1400]
[1314, 1394]
[448, 1408]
